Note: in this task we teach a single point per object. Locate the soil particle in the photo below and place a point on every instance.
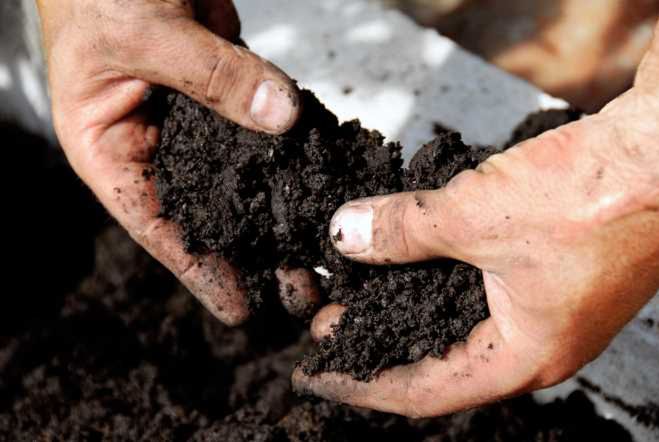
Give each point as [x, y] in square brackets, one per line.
[649, 322]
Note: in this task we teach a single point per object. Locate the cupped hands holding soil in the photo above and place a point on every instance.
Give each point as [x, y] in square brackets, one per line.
[265, 202]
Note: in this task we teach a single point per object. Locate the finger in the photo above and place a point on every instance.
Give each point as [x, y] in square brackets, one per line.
[229, 79]
[408, 227]
[220, 17]
[483, 370]
[115, 172]
[298, 292]
[325, 321]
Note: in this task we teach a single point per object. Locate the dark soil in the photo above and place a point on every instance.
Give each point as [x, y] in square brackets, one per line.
[127, 354]
[236, 192]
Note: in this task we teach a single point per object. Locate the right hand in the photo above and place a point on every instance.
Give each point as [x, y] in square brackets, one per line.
[565, 228]
[103, 57]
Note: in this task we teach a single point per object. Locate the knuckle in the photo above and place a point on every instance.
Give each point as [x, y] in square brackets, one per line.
[489, 166]
[465, 218]
[467, 178]
[224, 77]
[390, 228]
[558, 141]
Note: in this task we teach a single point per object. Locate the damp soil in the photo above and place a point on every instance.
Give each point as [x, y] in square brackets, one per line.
[118, 350]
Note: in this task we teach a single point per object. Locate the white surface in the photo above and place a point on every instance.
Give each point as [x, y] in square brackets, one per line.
[403, 80]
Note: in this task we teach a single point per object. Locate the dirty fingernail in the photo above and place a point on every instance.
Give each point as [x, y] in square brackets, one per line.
[351, 229]
[273, 107]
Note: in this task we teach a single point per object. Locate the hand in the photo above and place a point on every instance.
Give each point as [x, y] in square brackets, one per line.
[566, 230]
[103, 56]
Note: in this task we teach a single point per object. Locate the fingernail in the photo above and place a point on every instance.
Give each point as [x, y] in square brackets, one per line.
[323, 324]
[273, 107]
[351, 229]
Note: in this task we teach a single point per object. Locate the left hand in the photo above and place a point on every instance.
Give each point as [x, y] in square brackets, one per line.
[103, 57]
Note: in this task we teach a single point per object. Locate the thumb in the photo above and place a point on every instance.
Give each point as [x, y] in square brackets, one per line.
[229, 79]
[408, 227]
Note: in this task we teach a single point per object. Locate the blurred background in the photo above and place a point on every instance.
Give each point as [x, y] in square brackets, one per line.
[585, 51]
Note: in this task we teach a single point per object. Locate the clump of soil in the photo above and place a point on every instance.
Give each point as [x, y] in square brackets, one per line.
[235, 192]
[127, 354]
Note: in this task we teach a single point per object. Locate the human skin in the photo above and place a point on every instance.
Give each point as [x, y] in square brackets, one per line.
[565, 228]
[103, 57]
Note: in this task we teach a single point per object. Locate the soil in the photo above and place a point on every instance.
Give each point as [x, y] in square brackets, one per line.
[125, 353]
[235, 192]
[36, 184]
